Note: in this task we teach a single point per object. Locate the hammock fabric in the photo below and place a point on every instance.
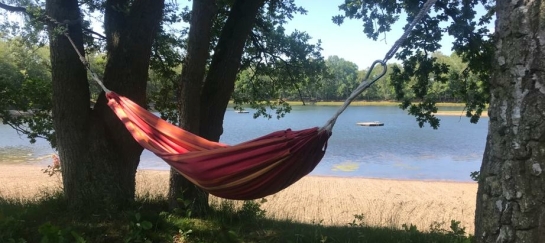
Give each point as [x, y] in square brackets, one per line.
[249, 170]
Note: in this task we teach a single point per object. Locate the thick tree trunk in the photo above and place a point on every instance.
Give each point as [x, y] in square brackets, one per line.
[130, 28]
[71, 113]
[99, 157]
[511, 195]
[193, 72]
[218, 84]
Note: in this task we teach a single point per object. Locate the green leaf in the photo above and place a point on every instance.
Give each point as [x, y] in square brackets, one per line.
[77, 237]
[146, 225]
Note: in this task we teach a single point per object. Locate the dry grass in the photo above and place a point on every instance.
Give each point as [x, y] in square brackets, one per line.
[26, 182]
[335, 201]
[325, 200]
[389, 203]
[152, 182]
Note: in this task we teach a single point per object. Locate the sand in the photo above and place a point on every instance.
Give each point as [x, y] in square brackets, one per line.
[314, 199]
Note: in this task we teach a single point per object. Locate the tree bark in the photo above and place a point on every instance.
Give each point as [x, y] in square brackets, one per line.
[203, 113]
[71, 113]
[99, 157]
[511, 194]
[220, 81]
[193, 72]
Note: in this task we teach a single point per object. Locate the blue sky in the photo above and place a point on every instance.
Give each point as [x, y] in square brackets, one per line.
[347, 40]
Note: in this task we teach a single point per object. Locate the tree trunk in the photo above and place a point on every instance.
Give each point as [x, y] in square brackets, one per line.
[511, 194]
[71, 113]
[220, 81]
[218, 84]
[194, 68]
[99, 157]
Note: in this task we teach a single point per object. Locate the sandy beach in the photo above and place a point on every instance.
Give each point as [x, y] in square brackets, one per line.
[324, 200]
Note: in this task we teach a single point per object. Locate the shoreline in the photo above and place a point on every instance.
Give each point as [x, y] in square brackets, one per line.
[45, 163]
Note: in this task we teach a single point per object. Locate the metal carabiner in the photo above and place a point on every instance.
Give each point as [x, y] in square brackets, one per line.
[384, 68]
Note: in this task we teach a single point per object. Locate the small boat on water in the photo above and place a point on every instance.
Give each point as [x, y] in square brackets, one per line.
[370, 124]
[241, 111]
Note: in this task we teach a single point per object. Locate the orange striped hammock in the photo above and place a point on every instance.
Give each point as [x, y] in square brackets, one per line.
[246, 171]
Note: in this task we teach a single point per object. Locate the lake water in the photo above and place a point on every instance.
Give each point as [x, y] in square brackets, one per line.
[398, 150]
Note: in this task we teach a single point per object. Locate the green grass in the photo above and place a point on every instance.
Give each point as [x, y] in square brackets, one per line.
[47, 220]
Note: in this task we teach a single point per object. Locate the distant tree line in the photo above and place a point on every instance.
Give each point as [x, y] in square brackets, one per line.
[24, 68]
[342, 77]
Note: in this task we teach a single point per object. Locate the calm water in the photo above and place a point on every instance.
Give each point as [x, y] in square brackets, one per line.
[399, 149]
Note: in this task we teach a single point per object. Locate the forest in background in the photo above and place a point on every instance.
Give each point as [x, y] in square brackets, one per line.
[26, 70]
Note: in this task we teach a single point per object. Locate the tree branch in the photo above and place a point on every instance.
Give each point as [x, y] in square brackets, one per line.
[24, 10]
[13, 8]
[90, 31]
[262, 50]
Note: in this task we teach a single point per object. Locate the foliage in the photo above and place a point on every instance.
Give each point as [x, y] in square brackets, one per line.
[475, 176]
[421, 70]
[251, 211]
[358, 221]
[166, 62]
[456, 231]
[25, 89]
[274, 63]
[54, 234]
[277, 64]
[11, 229]
[32, 32]
[185, 205]
[137, 229]
[341, 80]
[342, 77]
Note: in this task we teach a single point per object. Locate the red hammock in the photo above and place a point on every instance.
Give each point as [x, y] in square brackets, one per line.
[249, 170]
